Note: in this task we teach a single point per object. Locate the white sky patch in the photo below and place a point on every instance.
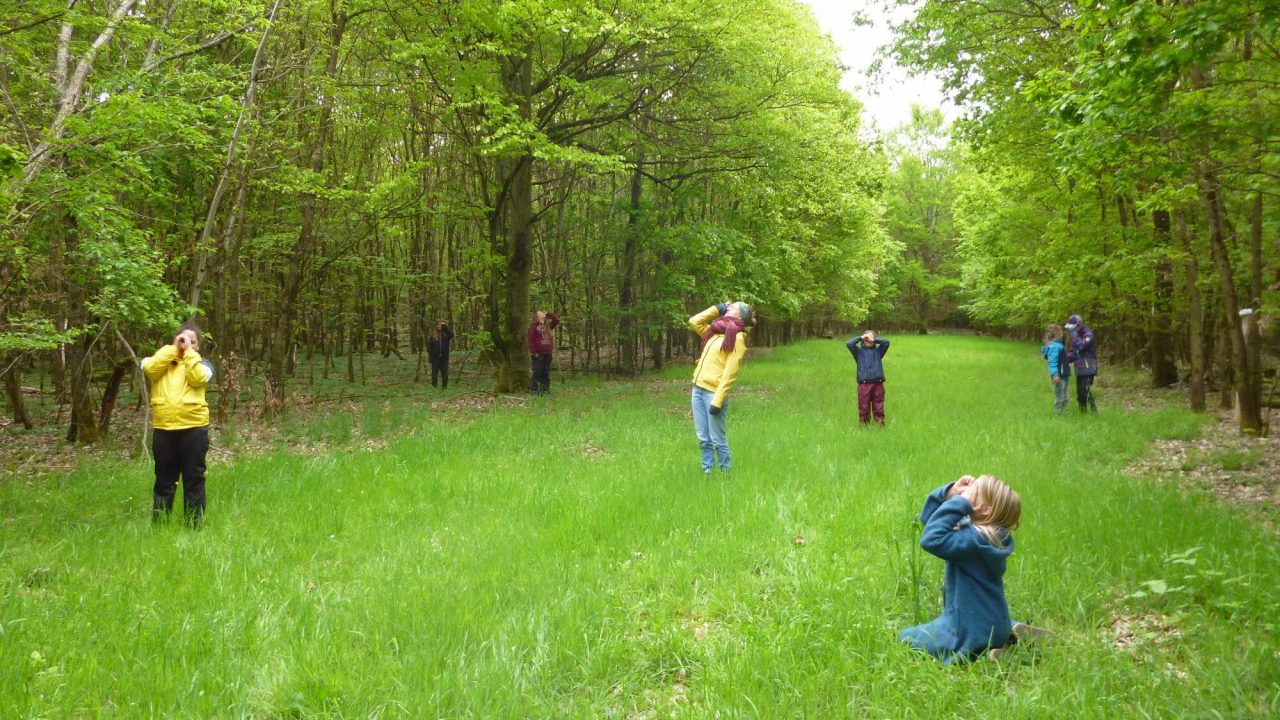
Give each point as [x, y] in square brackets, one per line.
[887, 99]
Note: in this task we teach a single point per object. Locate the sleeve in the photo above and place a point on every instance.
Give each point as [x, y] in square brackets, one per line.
[882, 345]
[853, 348]
[1050, 353]
[199, 370]
[942, 538]
[553, 320]
[931, 503]
[730, 374]
[1084, 342]
[700, 322]
[156, 365]
[448, 332]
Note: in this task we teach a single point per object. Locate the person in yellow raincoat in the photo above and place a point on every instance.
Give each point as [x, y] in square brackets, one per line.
[180, 417]
[722, 328]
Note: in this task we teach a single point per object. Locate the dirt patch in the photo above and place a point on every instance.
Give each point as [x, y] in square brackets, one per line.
[1131, 632]
[1240, 470]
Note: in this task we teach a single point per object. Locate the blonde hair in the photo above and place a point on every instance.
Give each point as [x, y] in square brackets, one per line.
[1052, 332]
[1004, 509]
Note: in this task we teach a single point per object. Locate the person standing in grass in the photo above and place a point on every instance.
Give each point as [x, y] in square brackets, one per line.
[868, 353]
[541, 346]
[1055, 356]
[438, 353]
[724, 345]
[969, 524]
[180, 418]
[1082, 352]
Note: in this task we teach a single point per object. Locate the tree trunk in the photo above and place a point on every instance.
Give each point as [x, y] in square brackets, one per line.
[201, 254]
[84, 422]
[1195, 317]
[1247, 400]
[513, 370]
[13, 390]
[1164, 371]
[282, 341]
[631, 248]
[110, 393]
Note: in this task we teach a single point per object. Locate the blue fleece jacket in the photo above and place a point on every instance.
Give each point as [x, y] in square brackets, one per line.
[1054, 356]
[868, 359]
[975, 616]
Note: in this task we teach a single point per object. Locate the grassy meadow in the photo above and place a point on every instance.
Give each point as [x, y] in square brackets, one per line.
[566, 558]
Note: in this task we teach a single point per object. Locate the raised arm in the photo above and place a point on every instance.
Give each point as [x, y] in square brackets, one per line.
[199, 370]
[702, 321]
[935, 500]
[553, 320]
[1084, 342]
[157, 365]
[945, 537]
[882, 345]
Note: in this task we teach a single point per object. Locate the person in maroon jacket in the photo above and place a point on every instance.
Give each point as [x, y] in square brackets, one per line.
[541, 345]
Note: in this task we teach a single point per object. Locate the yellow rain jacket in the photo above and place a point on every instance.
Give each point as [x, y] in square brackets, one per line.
[177, 388]
[716, 371]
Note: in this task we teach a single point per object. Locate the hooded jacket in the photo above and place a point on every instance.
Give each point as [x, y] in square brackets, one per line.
[541, 339]
[177, 388]
[1055, 357]
[716, 370]
[975, 615]
[869, 359]
[1084, 351]
[438, 345]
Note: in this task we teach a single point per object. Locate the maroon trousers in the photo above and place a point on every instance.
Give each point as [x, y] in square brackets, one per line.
[870, 400]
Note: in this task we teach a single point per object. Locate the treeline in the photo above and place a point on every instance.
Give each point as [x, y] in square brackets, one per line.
[334, 176]
[1120, 160]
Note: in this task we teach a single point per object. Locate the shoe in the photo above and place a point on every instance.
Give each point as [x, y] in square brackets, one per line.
[1021, 633]
[1024, 632]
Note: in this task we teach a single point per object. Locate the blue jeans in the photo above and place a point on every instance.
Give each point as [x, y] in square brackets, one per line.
[710, 429]
[1060, 394]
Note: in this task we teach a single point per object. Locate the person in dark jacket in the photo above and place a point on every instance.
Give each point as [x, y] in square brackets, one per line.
[438, 353]
[1083, 353]
[541, 345]
[969, 524]
[868, 352]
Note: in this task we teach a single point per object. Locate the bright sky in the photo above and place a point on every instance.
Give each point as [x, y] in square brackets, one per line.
[887, 100]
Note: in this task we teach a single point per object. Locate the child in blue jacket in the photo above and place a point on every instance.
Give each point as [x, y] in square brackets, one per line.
[969, 524]
[1054, 351]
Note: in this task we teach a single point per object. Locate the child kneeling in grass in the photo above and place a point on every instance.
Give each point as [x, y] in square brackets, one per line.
[969, 524]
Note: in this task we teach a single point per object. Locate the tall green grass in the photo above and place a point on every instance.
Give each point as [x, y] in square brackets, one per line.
[567, 558]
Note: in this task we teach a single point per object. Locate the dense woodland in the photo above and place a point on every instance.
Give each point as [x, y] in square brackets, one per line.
[331, 177]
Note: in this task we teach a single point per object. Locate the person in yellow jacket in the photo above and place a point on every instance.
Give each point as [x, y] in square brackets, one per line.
[180, 417]
[722, 328]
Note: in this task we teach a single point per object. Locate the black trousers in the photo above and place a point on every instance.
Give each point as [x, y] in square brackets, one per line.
[180, 453]
[440, 371]
[540, 378]
[1084, 393]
